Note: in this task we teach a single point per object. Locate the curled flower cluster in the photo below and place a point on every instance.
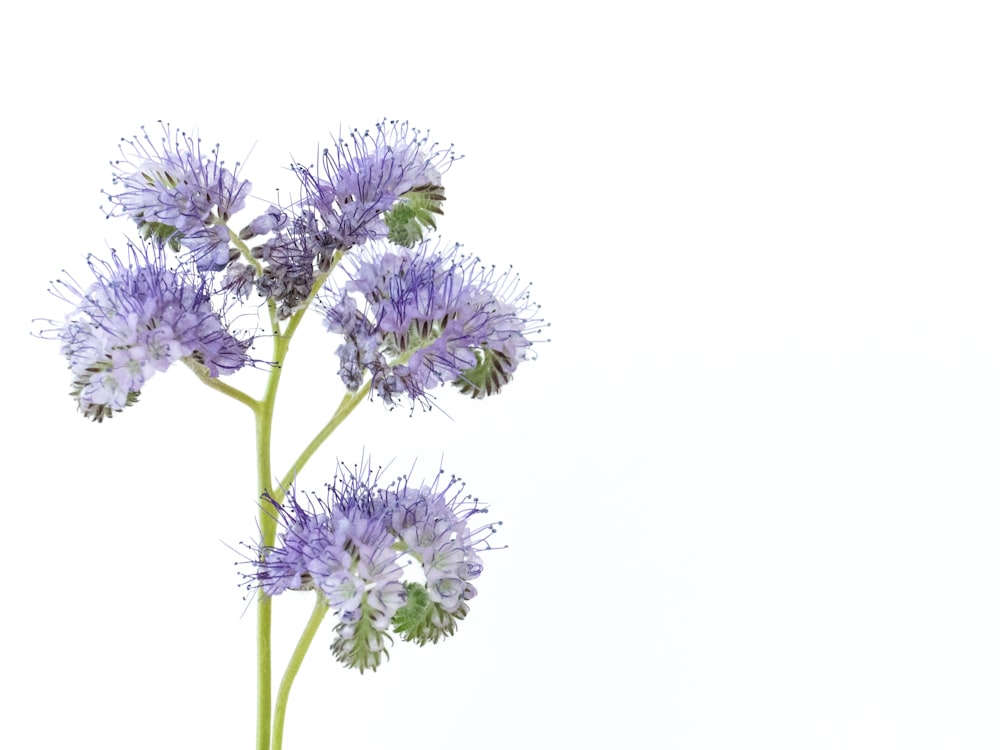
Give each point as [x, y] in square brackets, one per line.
[350, 545]
[430, 317]
[137, 318]
[174, 192]
[364, 176]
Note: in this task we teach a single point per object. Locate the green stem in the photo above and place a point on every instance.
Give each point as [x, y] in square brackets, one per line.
[245, 252]
[347, 405]
[202, 372]
[264, 412]
[264, 420]
[285, 688]
[263, 670]
[268, 527]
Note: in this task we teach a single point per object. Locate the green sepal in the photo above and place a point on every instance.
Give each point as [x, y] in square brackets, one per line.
[360, 645]
[410, 216]
[163, 234]
[423, 621]
[492, 371]
[100, 412]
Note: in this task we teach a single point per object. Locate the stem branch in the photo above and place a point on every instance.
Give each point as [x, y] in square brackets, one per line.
[319, 611]
[347, 405]
[202, 372]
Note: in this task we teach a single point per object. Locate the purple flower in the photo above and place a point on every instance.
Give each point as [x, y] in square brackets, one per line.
[427, 317]
[349, 546]
[271, 220]
[137, 318]
[365, 175]
[174, 192]
[291, 260]
[432, 523]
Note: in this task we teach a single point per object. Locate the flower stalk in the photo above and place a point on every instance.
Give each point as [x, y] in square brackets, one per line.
[294, 663]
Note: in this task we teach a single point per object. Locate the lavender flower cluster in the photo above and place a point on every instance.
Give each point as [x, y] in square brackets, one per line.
[412, 315]
[352, 546]
[429, 317]
[137, 318]
[178, 194]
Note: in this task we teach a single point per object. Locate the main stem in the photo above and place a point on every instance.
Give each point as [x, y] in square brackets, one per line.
[268, 524]
[264, 413]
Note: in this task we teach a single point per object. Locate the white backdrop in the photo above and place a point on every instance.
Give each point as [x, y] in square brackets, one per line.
[749, 488]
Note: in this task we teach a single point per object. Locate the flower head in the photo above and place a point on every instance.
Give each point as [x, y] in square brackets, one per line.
[368, 173]
[292, 258]
[428, 317]
[135, 319]
[174, 192]
[350, 546]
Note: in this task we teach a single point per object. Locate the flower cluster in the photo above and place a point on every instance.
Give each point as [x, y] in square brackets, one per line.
[137, 318]
[292, 258]
[176, 193]
[385, 184]
[428, 317]
[350, 547]
[366, 176]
